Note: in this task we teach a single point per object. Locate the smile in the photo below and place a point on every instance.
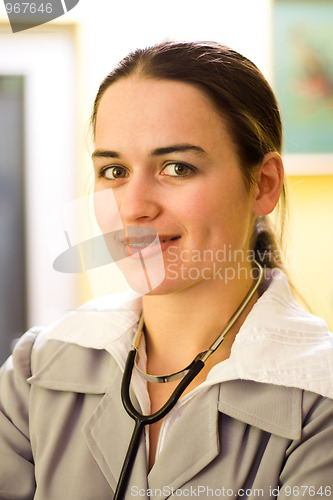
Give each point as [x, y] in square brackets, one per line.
[138, 245]
[146, 247]
[145, 242]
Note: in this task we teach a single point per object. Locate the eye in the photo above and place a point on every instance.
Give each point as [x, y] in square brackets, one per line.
[177, 169]
[115, 172]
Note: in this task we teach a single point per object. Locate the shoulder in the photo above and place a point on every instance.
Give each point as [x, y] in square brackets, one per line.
[76, 350]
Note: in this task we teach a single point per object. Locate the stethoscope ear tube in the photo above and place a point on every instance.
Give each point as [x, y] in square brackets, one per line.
[142, 420]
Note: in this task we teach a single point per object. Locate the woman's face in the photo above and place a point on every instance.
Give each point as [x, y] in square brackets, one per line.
[170, 161]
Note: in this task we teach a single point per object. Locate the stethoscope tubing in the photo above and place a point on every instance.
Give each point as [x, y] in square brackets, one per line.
[190, 373]
[142, 420]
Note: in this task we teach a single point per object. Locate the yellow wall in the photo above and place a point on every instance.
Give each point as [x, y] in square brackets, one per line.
[310, 241]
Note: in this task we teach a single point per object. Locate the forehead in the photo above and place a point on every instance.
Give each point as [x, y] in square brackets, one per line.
[137, 90]
[164, 107]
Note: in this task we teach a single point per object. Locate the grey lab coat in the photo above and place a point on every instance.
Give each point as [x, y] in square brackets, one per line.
[64, 429]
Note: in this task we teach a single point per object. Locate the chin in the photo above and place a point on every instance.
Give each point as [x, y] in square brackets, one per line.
[170, 286]
[143, 275]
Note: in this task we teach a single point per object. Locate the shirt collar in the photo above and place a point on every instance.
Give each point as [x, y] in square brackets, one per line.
[280, 343]
[107, 323]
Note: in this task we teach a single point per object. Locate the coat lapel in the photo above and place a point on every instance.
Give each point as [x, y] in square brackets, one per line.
[108, 433]
[108, 430]
[195, 439]
[191, 445]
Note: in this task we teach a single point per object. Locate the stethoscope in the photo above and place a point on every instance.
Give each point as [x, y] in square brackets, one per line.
[188, 374]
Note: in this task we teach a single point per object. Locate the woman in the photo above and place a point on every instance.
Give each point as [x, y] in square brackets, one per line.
[188, 137]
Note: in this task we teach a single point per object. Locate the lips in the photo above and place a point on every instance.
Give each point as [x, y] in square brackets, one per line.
[146, 240]
[140, 241]
[146, 246]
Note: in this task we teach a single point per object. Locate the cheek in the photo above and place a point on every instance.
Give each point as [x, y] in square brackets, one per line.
[191, 206]
[205, 203]
[199, 213]
[220, 213]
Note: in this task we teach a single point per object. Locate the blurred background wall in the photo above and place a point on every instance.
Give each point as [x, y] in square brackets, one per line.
[49, 76]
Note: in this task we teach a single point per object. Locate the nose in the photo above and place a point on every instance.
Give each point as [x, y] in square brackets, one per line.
[138, 200]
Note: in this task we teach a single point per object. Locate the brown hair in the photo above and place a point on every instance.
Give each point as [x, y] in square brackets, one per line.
[240, 93]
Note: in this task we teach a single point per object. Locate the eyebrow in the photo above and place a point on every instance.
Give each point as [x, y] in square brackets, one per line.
[176, 148]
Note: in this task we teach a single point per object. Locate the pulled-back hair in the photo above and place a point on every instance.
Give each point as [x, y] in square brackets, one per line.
[240, 94]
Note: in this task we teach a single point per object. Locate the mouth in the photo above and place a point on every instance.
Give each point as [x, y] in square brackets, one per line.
[148, 245]
[144, 242]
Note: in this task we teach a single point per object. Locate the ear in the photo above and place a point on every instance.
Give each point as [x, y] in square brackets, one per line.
[269, 184]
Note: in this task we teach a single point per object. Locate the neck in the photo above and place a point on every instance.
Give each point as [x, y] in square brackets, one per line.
[180, 325]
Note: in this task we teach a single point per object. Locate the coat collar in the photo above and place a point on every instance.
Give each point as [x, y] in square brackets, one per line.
[274, 409]
[67, 367]
[278, 344]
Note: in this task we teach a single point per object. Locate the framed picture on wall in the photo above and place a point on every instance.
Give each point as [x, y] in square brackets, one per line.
[303, 78]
